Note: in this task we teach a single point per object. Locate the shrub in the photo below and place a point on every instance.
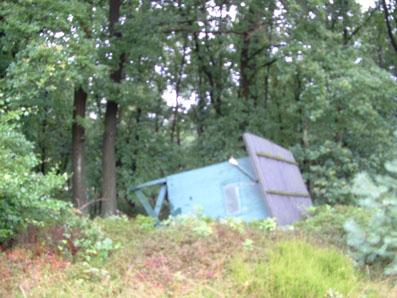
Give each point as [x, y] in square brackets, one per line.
[145, 223]
[83, 238]
[199, 224]
[327, 222]
[296, 269]
[265, 225]
[376, 242]
[331, 169]
[26, 197]
[234, 223]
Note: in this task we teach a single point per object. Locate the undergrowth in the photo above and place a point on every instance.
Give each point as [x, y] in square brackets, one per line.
[327, 223]
[294, 268]
[183, 259]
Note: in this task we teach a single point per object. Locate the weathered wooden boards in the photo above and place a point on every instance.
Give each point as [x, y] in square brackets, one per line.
[281, 181]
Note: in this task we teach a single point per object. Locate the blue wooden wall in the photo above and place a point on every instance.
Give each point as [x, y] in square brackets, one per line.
[219, 191]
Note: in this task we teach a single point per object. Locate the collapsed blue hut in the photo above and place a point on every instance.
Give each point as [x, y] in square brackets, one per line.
[267, 183]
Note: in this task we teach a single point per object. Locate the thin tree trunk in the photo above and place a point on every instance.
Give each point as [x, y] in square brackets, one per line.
[345, 39]
[78, 143]
[175, 119]
[136, 140]
[109, 205]
[202, 88]
[386, 13]
[43, 140]
[304, 128]
[266, 87]
[244, 60]
[200, 106]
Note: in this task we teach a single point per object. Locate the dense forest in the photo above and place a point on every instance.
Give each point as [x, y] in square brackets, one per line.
[141, 89]
[97, 96]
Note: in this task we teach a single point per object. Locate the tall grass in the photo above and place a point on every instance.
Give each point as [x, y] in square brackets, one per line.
[297, 269]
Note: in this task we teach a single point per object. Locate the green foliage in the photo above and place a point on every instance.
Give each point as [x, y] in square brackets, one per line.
[236, 224]
[50, 57]
[203, 226]
[83, 239]
[26, 197]
[335, 146]
[174, 262]
[268, 224]
[327, 222]
[314, 76]
[199, 225]
[145, 223]
[310, 78]
[296, 269]
[330, 170]
[376, 241]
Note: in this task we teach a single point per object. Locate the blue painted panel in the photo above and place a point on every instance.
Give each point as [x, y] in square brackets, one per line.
[220, 190]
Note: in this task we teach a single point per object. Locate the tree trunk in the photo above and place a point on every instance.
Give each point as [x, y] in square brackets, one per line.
[304, 127]
[244, 61]
[266, 87]
[136, 140]
[109, 160]
[390, 30]
[78, 143]
[200, 112]
[109, 205]
[43, 140]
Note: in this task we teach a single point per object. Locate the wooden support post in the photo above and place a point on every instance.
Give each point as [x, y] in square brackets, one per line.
[148, 184]
[160, 200]
[145, 202]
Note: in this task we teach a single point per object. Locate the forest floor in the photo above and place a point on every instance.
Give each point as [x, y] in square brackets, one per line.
[194, 258]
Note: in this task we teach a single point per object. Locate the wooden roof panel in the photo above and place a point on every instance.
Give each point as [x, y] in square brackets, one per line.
[281, 181]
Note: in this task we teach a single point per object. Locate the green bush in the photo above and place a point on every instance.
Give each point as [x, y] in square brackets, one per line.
[331, 169]
[376, 241]
[145, 223]
[297, 269]
[81, 238]
[327, 222]
[197, 223]
[26, 197]
[265, 225]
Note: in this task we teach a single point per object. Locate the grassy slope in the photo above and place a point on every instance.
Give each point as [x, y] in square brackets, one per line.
[193, 259]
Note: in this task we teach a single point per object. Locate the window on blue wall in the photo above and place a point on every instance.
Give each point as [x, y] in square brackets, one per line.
[232, 199]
